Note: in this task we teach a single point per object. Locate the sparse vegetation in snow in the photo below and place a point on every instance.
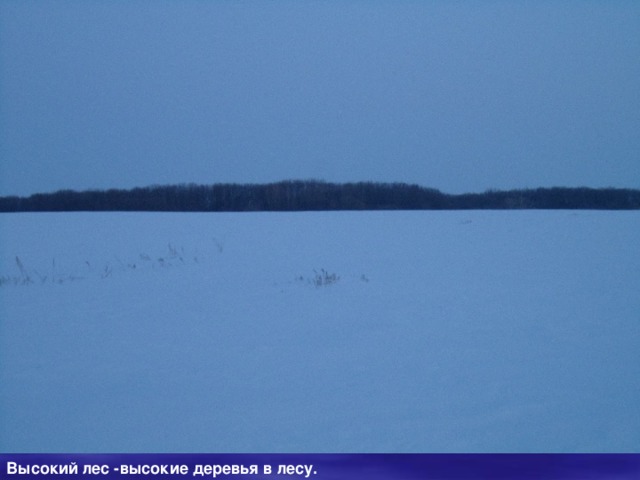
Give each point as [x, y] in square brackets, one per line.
[174, 256]
[320, 278]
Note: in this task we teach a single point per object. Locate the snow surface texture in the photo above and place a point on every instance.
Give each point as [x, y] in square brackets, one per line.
[474, 331]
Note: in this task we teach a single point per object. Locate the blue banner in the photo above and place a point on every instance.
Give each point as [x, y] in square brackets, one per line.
[320, 466]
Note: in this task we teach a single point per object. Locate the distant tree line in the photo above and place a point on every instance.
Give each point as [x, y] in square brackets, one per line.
[294, 195]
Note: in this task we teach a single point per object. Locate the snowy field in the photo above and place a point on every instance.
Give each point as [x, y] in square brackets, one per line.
[467, 331]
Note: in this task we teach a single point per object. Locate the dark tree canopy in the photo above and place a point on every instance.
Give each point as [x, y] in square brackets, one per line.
[297, 195]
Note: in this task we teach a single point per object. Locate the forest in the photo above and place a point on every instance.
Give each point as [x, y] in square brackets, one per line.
[313, 195]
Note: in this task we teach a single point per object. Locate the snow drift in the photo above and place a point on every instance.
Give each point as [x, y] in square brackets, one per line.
[467, 331]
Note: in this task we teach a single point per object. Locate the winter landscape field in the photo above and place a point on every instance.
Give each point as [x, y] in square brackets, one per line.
[397, 331]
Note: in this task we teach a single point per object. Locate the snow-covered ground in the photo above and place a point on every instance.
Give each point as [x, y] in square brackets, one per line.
[467, 331]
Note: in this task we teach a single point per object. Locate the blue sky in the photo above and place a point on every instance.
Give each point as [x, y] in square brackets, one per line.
[455, 95]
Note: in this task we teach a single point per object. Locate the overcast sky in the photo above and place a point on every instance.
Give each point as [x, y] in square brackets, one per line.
[455, 95]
